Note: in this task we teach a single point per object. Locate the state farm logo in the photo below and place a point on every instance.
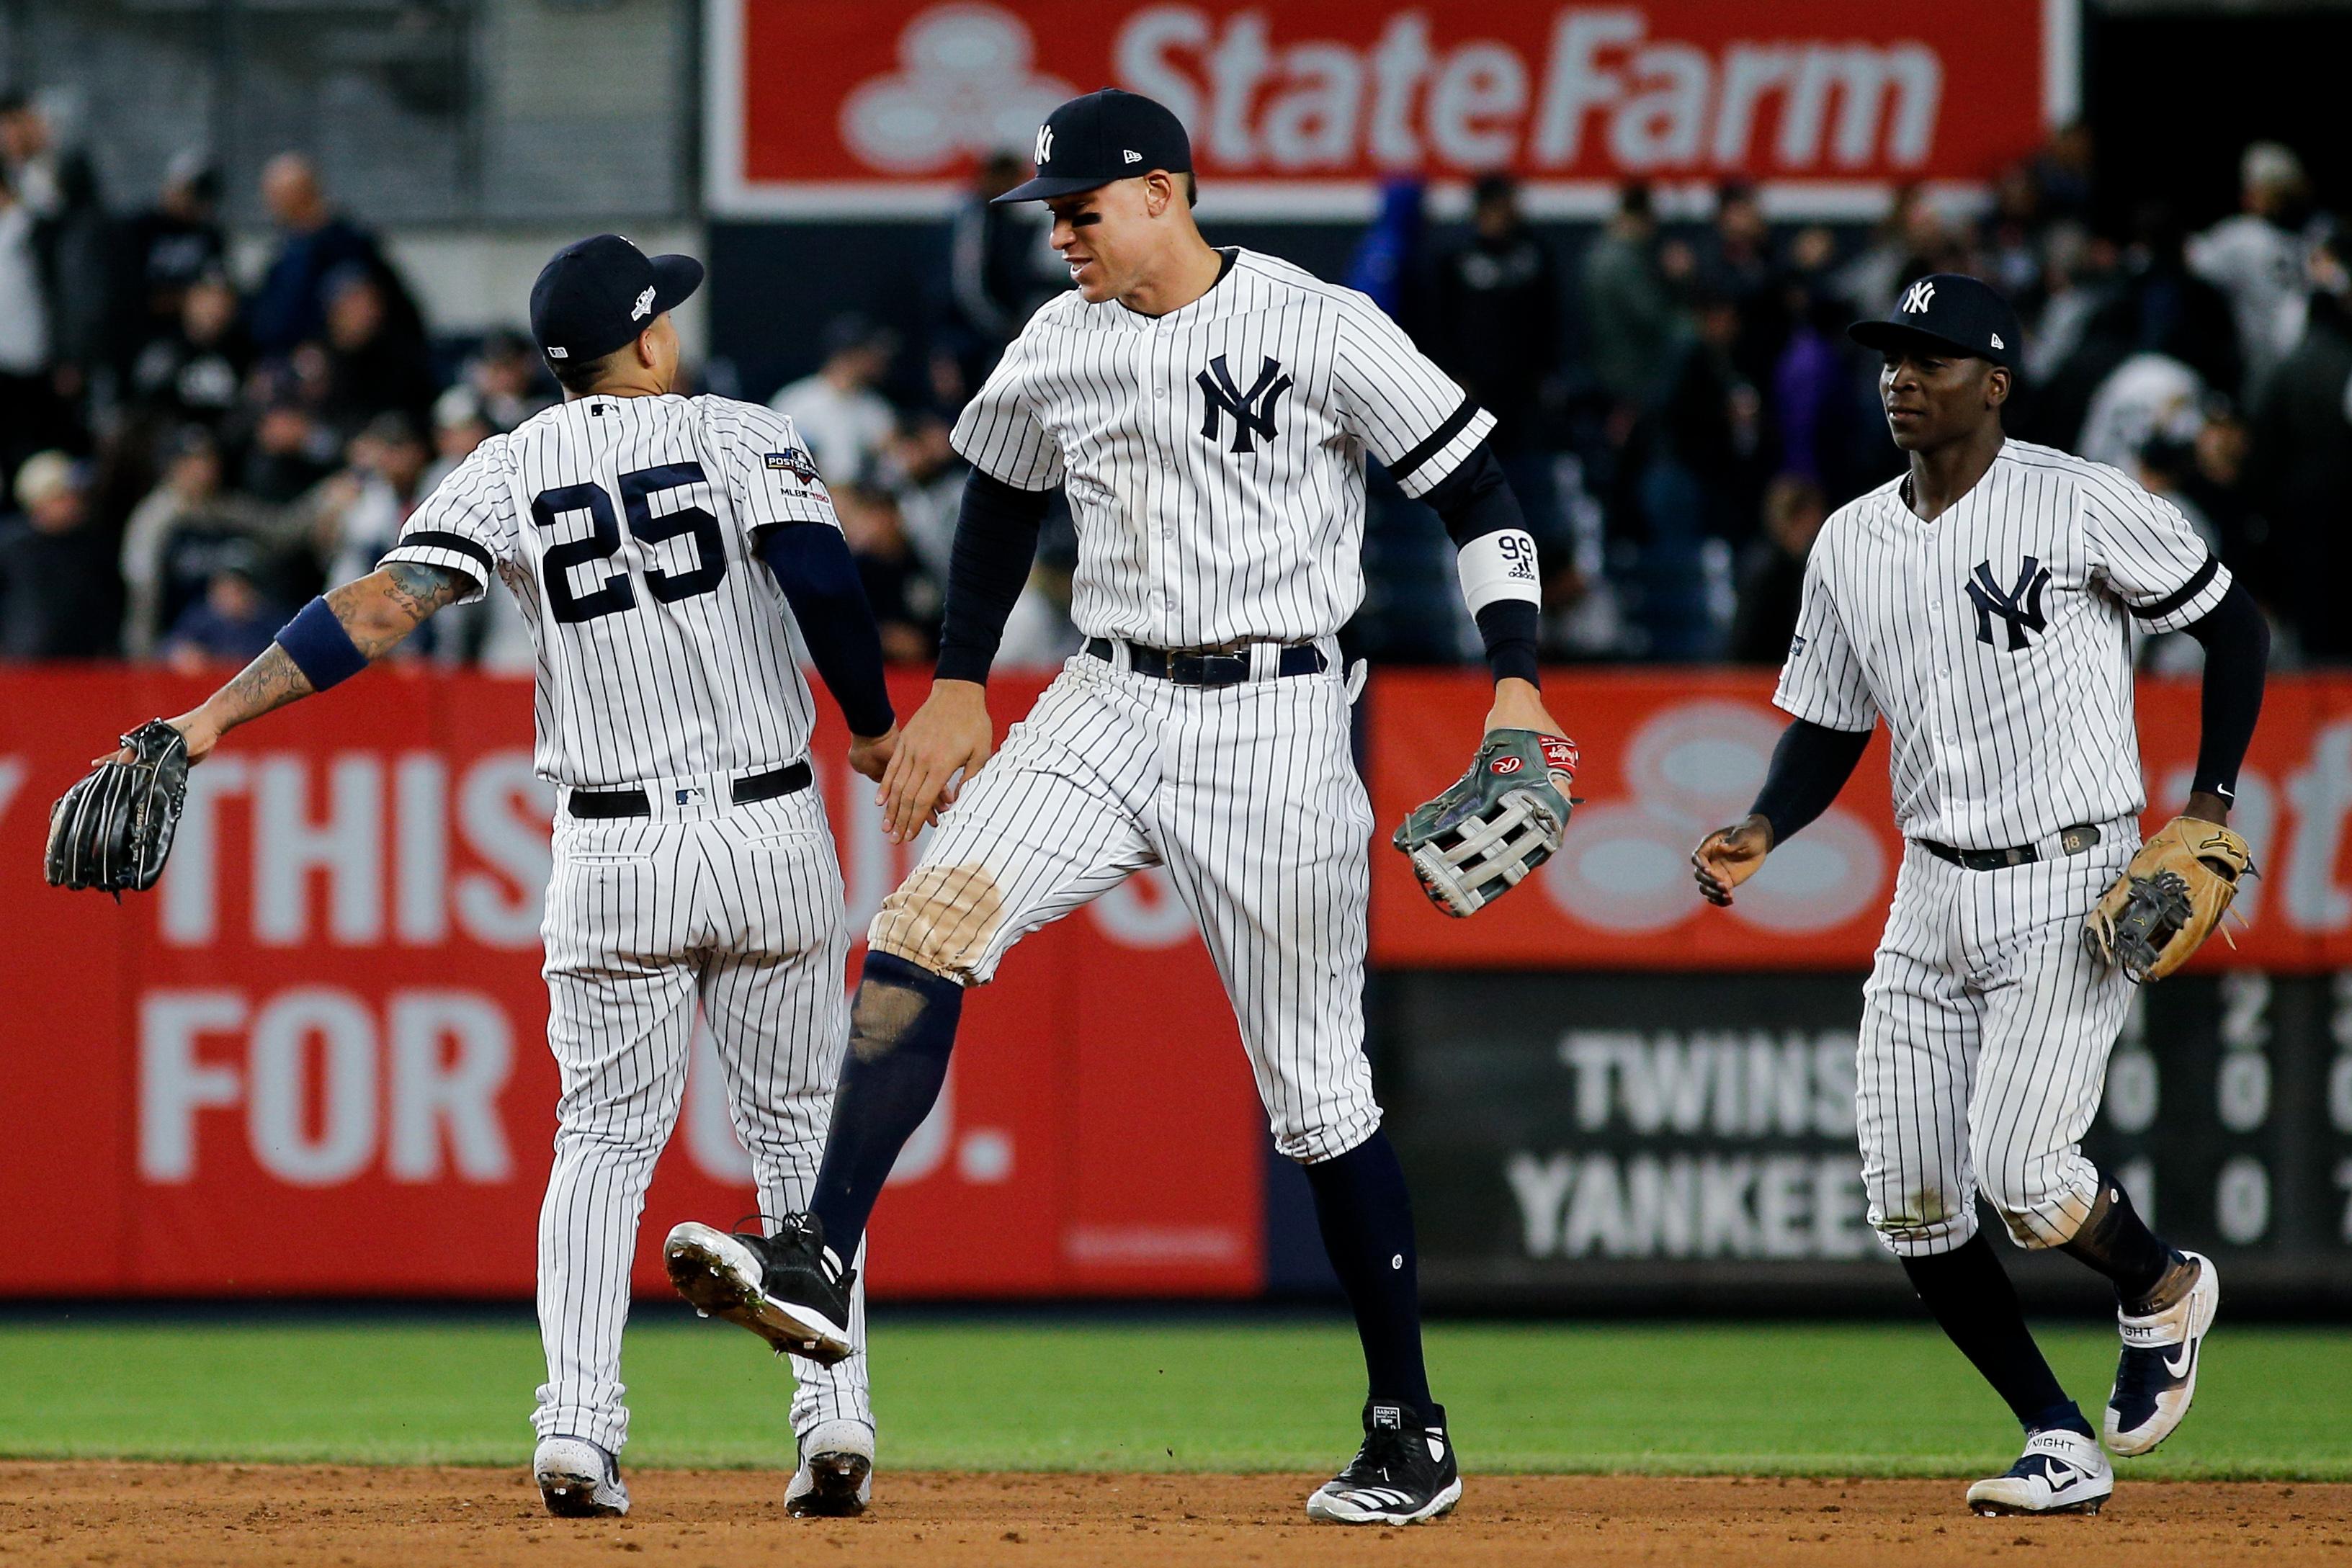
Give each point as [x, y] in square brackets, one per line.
[963, 87]
[1625, 866]
[1583, 89]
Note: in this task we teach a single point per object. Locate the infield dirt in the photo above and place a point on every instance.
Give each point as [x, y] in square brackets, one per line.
[302, 1515]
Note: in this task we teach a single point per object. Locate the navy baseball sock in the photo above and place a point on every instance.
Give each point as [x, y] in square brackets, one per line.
[1969, 1292]
[902, 1025]
[2116, 1242]
[1366, 1218]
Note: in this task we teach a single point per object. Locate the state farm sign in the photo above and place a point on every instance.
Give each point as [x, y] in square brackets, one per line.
[1299, 108]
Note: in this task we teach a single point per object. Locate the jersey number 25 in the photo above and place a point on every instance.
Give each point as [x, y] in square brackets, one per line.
[616, 594]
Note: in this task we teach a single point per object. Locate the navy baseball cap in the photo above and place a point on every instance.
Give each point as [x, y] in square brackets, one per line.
[1948, 312]
[598, 293]
[1108, 135]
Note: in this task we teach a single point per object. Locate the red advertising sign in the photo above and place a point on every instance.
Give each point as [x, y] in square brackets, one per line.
[1298, 109]
[312, 1061]
[1669, 756]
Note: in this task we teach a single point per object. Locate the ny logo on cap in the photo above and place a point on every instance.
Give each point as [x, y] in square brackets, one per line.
[644, 306]
[1916, 300]
[1045, 152]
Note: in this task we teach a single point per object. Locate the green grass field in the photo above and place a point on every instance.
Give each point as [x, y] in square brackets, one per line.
[1187, 1394]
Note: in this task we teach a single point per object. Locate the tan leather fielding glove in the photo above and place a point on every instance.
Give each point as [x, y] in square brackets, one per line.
[2169, 899]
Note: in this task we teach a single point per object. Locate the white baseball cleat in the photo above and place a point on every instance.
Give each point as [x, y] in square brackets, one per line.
[835, 1475]
[2156, 1377]
[579, 1480]
[2059, 1472]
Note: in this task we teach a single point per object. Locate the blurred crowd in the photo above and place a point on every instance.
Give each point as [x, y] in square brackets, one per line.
[189, 450]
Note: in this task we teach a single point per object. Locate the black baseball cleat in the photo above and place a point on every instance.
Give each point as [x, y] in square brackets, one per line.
[789, 1288]
[1403, 1474]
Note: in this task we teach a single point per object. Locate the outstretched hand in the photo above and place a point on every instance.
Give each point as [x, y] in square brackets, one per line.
[951, 733]
[1730, 856]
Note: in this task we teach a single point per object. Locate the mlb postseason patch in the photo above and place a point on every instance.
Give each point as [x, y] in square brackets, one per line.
[793, 461]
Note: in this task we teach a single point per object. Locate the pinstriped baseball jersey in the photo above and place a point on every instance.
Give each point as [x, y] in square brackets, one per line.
[1994, 641]
[625, 528]
[1213, 457]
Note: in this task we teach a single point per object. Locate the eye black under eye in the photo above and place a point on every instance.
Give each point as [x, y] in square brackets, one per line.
[1080, 220]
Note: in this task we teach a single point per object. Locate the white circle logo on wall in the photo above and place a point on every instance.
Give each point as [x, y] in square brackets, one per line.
[963, 87]
[1625, 866]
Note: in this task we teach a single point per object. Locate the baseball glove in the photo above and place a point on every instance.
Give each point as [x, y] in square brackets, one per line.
[113, 828]
[1495, 824]
[2169, 899]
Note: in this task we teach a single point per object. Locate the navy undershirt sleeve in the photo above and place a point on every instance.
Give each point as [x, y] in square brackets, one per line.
[1475, 500]
[819, 577]
[995, 545]
[2237, 654]
[1809, 766]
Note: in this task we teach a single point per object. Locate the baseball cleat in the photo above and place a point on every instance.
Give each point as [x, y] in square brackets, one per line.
[1403, 1474]
[835, 1475]
[789, 1288]
[2156, 1377]
[578, 1479]
[2059, 1472]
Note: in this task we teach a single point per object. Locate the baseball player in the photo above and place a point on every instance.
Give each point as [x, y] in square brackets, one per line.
[653, 542]
[1980, 604]
[1208, 412]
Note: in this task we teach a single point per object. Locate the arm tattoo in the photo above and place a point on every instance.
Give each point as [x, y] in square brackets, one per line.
[270, 682]
[376, 613]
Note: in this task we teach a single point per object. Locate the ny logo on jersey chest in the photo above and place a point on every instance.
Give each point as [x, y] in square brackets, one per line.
[1253, 411]
[2020, 606]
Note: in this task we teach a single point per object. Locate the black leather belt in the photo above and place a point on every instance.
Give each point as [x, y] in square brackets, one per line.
[2071, 840]
[1206, 669]
[593, 804]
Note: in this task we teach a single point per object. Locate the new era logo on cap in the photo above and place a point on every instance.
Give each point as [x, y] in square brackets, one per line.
[1131, 155]
[644, 304]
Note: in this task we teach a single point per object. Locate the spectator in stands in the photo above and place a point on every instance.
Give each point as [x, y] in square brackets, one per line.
[289, 451]
[1630, 314]
[314, 245]
[1497, 327]
[1827, 426]
[845, 421]
[2257, 256]
[509, 379]
[369, 370]
[73, 238]
[1772, 575]
[1738, 264]
[176, 535]
[194, 371]
[59, 596]
[364, 508]
[231, 623]
[29, 415]
[2301, 458]
[1915, 239]
[166, 251]
[2161, 306]
[999, 268]
[905, 601]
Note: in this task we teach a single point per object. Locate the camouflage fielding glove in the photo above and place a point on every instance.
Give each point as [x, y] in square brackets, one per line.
[1495, 824]
[2169, 899]
[113, 828]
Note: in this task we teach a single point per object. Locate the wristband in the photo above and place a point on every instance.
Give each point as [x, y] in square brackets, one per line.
[319, 647]
[1499, 566]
